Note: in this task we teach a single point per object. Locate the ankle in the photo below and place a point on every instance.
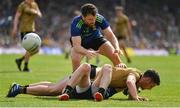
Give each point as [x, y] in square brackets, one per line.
[68, 90]
[102, 91]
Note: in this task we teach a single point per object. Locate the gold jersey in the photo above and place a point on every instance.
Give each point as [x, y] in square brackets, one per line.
[27, 19]
[122, 26]
[119, 77]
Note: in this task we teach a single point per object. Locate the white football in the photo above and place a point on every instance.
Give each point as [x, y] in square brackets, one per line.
[31, 42]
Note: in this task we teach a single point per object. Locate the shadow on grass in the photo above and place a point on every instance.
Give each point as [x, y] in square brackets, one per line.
[7, 100]
[9, 71]
[56, 99]
[115, 99]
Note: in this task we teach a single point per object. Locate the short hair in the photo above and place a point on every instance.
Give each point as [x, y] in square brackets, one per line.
[153, 75]
[119, 8]
[88, 9]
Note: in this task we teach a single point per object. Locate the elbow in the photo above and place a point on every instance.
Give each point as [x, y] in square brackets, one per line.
[40, 15]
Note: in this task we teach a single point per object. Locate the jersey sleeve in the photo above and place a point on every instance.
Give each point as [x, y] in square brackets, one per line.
[75, 29]
[102, 22]
[137, 73]
[126, 19]
[20, 8]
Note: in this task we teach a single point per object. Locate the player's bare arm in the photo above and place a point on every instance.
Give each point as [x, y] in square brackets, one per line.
[111, 37]
[131, 84]
[15, 24]
[39, 12]
[77, 47]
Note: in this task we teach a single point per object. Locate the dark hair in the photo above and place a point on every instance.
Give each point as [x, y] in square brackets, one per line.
[153, 75]
[88, 9]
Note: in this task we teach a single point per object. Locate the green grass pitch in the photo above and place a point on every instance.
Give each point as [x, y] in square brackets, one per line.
[53, 68]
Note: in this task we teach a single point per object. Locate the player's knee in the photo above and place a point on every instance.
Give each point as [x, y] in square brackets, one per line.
[86, 68]
[107, 68]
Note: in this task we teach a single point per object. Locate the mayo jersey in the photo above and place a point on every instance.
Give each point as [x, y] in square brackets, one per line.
[79, 28]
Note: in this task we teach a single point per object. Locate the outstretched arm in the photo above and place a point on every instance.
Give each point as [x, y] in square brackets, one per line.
[131, 84]
[112, 38]
[76, 41]
[39, 12]
[15, 24]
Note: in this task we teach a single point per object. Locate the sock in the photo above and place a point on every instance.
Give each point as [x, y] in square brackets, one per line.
[26, 65]
[23, 89]
[68, 90]
[26, 86]
[22, 58]
[102, 91]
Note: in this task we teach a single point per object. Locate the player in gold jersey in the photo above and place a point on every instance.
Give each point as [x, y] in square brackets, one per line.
[122, 30]
[25, 18]
[127, 80]
[79, 86]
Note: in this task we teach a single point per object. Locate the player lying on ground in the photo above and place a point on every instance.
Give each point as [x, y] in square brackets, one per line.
[122, 79]
[130, 80]
[79, 85]
[46, 88]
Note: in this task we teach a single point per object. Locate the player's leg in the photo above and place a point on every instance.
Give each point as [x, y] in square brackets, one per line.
[80, 77]
[27, 57]
[76, 59]
[67, 48]
[104, 76]
[107, 50]
[67, 54]
[19, 60]
[48, 90]
[38, 89]
[102, 82]
[87, 59]
[76, 78]
[41, 83]
[26, 61]
[122, 45]
[84, 80]
[97, 60]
